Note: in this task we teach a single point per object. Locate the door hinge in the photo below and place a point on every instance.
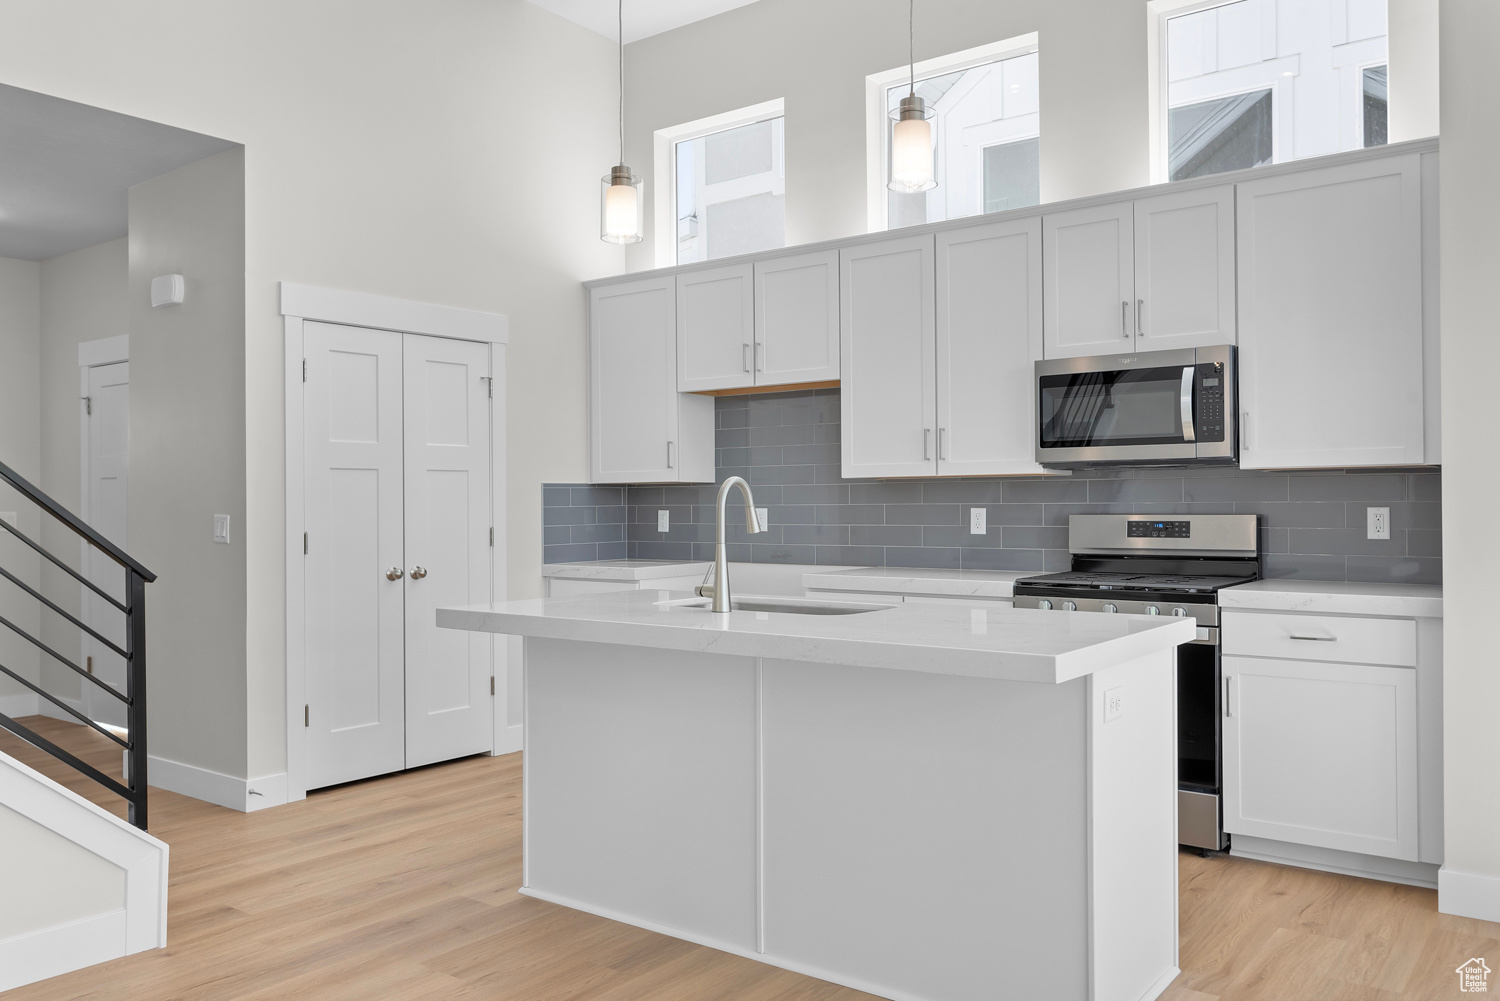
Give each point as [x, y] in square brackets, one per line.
[304, 543]
[492, 536]
[304, 370]
[88, 405]
[492, 686]
[307, 715]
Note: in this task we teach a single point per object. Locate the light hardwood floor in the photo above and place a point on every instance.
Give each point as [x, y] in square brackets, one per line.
[404, 889]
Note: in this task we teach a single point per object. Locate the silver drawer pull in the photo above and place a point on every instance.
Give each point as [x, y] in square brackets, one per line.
[1317, 639]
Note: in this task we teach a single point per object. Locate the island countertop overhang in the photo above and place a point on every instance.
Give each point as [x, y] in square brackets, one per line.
[1048, 647]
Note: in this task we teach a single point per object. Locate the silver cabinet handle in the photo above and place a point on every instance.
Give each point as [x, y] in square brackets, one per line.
[669, 455]
[942, 443]
[760, 356]
[1186, 402]
[394, 573]
[1245, 430]
[745, 356]
[926, 443]
[1124, 324]
[1315, 639]
[1228, 710]
[417, 573]
[1140, 309]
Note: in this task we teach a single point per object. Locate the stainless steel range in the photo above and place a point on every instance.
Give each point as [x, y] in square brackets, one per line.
[1140, 564]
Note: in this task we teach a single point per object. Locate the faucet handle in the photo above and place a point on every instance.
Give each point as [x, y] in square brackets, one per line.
[704, 590]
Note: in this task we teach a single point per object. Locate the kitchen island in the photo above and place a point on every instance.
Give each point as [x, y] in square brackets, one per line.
[918, 801]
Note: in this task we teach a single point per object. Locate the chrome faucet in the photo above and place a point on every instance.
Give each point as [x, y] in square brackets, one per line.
[719, 591]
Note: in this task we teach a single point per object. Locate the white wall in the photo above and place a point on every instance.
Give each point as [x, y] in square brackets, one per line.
[49, 880]
[82, 299]
[1471, 476]
[20, 446]
[187, 456]
[1094, 105]
[448, 151]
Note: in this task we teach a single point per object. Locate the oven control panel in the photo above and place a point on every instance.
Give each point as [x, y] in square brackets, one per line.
[1158, 530]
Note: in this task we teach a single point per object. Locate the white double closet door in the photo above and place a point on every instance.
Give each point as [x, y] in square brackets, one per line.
[398, 507]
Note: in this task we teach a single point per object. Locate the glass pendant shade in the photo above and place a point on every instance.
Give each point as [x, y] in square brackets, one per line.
[911, 146]
[622, 212]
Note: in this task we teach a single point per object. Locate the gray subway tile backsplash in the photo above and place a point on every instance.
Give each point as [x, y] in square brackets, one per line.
[786, 445]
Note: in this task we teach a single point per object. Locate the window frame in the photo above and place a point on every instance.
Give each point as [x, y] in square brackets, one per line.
[877, 130]
[664, 187]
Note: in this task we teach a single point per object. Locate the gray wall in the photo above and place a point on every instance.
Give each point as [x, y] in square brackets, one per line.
[787, 446]
[20, 443]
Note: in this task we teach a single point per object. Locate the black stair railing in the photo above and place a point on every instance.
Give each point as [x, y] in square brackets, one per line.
[133, 790]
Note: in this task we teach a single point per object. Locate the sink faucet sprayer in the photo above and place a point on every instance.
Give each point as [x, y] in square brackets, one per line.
[719, 591]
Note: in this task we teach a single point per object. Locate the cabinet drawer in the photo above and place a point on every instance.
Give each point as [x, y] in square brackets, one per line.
[1321, 637]
[971, 602]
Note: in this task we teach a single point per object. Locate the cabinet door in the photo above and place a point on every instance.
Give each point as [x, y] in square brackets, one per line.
[633, 381]
[1321, 754]
[715, 329]
[1330, 331]
[797, 319]
[989, 334]
[1089, 277]
[1184, 269]
[887, 404]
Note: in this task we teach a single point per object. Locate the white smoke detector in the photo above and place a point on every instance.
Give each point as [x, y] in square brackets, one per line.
[167, 290]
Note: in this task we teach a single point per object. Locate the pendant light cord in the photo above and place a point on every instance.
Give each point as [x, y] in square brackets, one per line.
[622, 80]
[911, 41]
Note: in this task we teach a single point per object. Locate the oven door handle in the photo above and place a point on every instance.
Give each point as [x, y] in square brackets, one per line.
[1186, 401]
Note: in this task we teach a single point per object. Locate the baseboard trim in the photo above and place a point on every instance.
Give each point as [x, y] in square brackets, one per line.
[1389, 870]
[51, 952]
[215, 787]
[16, 706]
[1469, 894]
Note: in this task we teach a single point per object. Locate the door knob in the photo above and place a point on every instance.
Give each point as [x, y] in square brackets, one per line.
[394, 573]
[417, 573]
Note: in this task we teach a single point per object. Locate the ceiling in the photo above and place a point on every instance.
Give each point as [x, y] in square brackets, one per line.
[65, 168]
[643, 18]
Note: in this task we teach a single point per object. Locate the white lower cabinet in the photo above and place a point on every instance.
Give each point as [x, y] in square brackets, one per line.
[1322, 754]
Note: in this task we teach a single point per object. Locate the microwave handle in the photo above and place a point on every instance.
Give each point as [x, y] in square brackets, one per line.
[1187, 402]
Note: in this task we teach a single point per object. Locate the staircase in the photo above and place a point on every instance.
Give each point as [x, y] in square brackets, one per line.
[80, 885]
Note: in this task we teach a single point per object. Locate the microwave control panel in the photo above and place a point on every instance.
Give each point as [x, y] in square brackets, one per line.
[1209, 416]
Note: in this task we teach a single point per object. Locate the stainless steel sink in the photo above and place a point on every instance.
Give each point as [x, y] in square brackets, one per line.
[794, 606]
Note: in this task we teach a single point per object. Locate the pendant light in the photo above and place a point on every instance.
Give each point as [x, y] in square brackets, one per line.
[909, 165]
[621, 212]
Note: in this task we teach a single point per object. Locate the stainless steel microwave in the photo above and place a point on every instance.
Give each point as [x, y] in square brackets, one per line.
[1153, 408]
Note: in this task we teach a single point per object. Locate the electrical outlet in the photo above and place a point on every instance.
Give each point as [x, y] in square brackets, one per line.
[1114, 704]
[1377, 523]
[221, 529]
[977, 520]
[663, 521]
[763, 517]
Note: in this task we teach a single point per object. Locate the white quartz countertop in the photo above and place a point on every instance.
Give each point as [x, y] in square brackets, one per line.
[1004, 644]
[626, 569]
[904, 580]
[1336, 597]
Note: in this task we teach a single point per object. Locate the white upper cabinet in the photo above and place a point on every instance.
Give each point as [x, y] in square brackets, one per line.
[989, 334]
[641, 429]
[797, 319]
[888, 400]
[1330, 325]
[715, 329]
[1184, 269]
[1089, 278]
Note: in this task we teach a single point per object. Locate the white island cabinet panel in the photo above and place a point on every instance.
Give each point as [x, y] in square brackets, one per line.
[888, 404]
[989, 335]
[1330, 332]
[1089, 276]
[1322, 754]
[715, 329]
[641, 429]
[797, 319]
[1184, 269]
[641, 786]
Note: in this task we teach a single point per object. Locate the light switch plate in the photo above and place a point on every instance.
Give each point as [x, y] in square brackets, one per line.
[9, 517]
[1377, 523]
[663, 521]
[977, 520]
[221, 529]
